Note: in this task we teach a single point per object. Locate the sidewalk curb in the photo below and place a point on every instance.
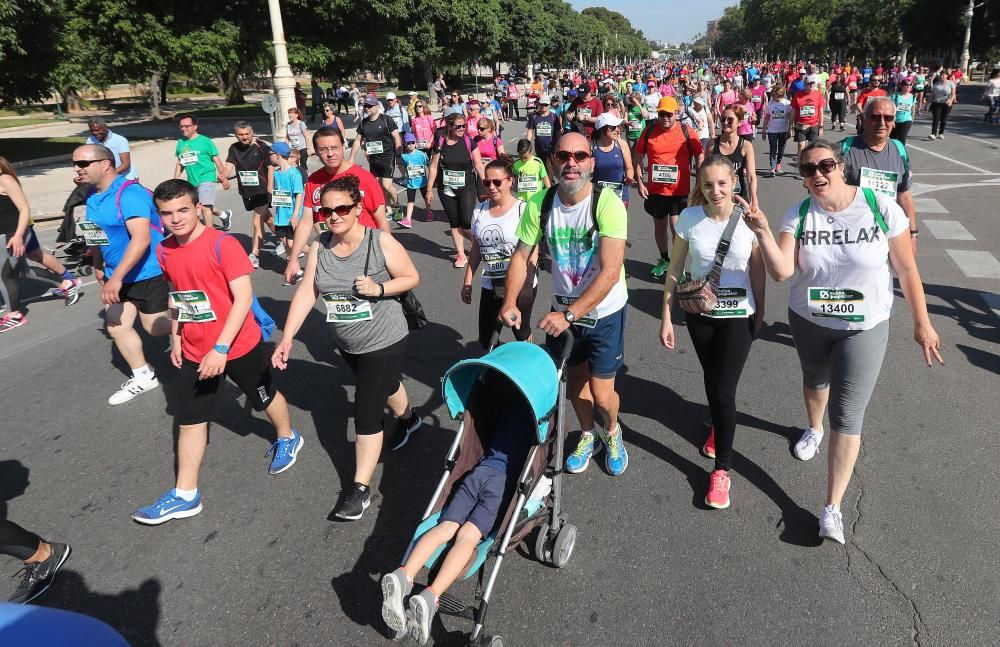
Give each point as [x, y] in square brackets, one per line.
[54, 159]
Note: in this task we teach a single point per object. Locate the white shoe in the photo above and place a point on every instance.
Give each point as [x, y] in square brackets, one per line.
[941, 136]
[831, 524]
[253, 260]
[808, 444]
[931, 137]
[279, 249]
[226, 217]
[132, 388]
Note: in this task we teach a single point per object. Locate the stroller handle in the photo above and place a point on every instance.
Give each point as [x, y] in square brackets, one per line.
[567, 347]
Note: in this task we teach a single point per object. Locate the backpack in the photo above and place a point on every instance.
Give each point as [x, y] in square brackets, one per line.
[260, 316]
[546, 212]
[848, 142]
[869, 198]
[153, 226]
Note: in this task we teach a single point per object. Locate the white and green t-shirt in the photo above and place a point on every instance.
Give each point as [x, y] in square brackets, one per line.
[575, 246]
[842, 278]
[497, 238]
[702, 235]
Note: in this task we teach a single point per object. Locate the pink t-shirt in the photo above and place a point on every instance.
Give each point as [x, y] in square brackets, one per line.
[759, 97]
[423, 128]
[746, 126]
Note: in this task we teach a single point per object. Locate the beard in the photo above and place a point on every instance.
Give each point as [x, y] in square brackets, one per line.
[576, 185]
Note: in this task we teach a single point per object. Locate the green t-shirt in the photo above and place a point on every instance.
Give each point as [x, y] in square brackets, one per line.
[575, 258]
[635, 123]
[529, 176]
[195, 155]
[823, 78]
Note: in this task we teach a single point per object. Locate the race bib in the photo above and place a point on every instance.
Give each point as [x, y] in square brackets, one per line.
[635, 128]
[584, 113]
[904, 107]
[617, 187]
[296, 141]
[807, 111]
[249, 178]
[92, 233]
[322, 226]
[756, 98]
[189, 158]
[527, 182]
[423, 143]
[838, 96]
[664, 173]
[733, 302]
[852, 85]
[884, 182]
[495, 264]
[282, 199]
[416, 172]
[374, 148]
[454, 179]
[777, 113]
[345, 308]
[543, 129]
[837, 303]
[192, 306]
[588, 320]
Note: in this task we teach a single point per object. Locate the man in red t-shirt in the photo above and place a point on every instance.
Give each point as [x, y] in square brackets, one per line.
[215, 335]
[329, 145]
[588, 109]
[873, 90]
[807, 113]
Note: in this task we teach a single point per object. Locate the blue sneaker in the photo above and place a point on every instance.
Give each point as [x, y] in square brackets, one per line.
[579, 460]
[616, 459]
[170, 506]
[283, 453]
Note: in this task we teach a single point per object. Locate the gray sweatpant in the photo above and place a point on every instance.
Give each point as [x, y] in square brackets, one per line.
[845, 361]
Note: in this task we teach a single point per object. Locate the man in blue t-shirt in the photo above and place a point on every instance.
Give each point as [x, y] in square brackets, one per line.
[123, 228]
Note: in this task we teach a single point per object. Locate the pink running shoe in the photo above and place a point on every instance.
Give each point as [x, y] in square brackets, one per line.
[10, 321]
[718, 490]
[708, 449]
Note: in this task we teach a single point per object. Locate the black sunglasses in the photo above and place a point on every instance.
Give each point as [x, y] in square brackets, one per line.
[341, 210]
[86, 163]
[885, 118]
[496, 183]
[663, 114]
[458, 126]
[563, 156]
[808, 169]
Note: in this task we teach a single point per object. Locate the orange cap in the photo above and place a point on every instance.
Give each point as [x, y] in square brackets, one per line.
[667, 104]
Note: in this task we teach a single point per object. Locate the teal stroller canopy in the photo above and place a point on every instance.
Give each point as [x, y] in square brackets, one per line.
[527, 366]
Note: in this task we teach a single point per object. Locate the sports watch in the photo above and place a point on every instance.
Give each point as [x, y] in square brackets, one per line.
[570, 317]
[222, 349]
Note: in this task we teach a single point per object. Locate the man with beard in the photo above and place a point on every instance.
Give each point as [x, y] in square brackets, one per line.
[586, 229]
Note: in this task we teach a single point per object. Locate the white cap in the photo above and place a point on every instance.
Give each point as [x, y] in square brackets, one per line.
[412, 93]
[390, 96]
[545, 99]
[700, 100]
[607, 119]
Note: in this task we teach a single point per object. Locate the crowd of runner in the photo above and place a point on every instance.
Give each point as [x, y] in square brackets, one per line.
[676, 135]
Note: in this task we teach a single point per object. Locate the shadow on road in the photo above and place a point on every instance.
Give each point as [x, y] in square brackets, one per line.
[134, 613]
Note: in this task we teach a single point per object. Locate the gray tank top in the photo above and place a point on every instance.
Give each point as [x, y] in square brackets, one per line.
[355, 329]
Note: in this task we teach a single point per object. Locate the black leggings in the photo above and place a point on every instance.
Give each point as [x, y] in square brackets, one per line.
[489, 308]
[939, 117]
[459, 208]
[378, 376]
[722, 346]
[776, 143]
[900, 131]
[16, 541]
[8, 273]
[837, 110]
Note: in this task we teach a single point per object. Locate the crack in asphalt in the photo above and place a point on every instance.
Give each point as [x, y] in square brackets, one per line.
[918, 628]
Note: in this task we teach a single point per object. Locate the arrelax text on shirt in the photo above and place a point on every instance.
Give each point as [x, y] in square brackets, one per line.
[842, 236]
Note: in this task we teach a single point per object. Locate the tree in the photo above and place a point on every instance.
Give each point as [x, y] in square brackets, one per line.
[29, 32]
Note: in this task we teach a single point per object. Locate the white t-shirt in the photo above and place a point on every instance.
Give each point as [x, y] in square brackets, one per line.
[652, 101]
[497, 237]
[702, 235]
[700, 119]
[117, 145]
[842, 278]
[779, 112]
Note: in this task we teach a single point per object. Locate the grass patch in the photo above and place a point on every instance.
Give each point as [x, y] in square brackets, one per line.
[26, 121]
[18, 149]
[244, 110]
[26, 110]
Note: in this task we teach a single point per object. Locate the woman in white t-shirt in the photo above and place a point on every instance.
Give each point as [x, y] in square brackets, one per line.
[776, 115]
[494, 239]
[721, 338]
[837, 247]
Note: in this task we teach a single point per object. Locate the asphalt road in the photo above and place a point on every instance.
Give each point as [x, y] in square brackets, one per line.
[262, 565]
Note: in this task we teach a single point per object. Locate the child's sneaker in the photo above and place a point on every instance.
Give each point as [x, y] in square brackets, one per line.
[718, 490]
[395, 587]
[579, 460]
[708, 449]
[616, 458]
[422, 609]
[406, 223]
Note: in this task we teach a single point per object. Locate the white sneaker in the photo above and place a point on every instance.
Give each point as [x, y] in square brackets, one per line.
[226, 217]
[132, 388]
[831, 524]
[808, 444]
[931, 137]
[253, 260]
[279, 249]
[941, 136]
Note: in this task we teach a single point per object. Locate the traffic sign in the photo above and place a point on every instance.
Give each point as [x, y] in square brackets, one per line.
[270, 103]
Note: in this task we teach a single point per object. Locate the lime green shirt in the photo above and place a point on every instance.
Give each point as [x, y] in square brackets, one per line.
[196, 156]
[529, 176]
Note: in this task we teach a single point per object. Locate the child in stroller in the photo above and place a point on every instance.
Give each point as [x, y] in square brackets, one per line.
[469, 516]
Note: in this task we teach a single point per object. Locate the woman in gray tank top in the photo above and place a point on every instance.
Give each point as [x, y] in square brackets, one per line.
[358, 275]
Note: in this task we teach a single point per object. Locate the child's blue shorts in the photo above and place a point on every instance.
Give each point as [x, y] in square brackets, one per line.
[477, 499]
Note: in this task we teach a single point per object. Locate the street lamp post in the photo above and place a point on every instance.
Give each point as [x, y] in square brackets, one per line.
[284, 81]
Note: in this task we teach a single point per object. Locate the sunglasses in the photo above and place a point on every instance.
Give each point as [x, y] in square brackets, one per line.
[483, 129]
[886, 118]
[808, 169]
[341, 210]
[85, 163]
[496, 183]
[458, 127]
[563, 156]
[664, 114]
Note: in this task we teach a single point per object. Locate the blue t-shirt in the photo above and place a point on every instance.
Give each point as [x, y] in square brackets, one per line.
[288, 181]
[515, 429]
[415, 169]
[136, 202]
[866, 74]
[904, 107]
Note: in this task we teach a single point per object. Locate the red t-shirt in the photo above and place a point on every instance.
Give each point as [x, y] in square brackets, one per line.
[807, 108]
[208, 263]
[668, 148]
[596, 108]
[371, 193]
[868, 94]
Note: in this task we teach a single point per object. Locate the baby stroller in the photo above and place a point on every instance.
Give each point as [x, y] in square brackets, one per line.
[537, 496]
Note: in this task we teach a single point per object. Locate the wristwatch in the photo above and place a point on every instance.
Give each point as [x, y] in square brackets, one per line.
[570, 317]
[222, 349]
[914, 233]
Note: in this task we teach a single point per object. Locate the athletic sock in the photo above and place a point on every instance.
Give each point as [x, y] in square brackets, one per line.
[589, 431]
[143, 373]
[187, 495]
[68, 275]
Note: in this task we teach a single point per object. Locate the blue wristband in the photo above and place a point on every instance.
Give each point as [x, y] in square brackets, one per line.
[222, 349]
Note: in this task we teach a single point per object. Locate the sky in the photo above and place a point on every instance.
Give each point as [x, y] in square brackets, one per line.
[673, 21]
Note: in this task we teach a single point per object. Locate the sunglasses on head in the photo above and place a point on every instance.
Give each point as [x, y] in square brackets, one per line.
[886, 118]
[341, 210]
[808, 169]
[496, 183]
[84, 163]
[563, 156]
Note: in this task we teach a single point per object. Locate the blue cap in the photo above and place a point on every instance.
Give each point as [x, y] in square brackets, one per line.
[571, 93]
[410, 138]
[281, 148]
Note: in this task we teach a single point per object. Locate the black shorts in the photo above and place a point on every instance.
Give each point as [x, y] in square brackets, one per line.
[809, 134]
[284, 231]
[382, 166]
[149, 296]
[661, 206]
[489, 308]
[255, 201]
[198, 399]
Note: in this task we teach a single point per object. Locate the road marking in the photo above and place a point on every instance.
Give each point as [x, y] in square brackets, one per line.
[950, 159]
[929, 205]
[918, 188]
[963, 174]
[992, 302]
[976, 265]
[948, 230]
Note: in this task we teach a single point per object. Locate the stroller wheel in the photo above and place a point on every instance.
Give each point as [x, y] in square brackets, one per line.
[562, 548]
[497, 641]
[84, 270]
[542, 548]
